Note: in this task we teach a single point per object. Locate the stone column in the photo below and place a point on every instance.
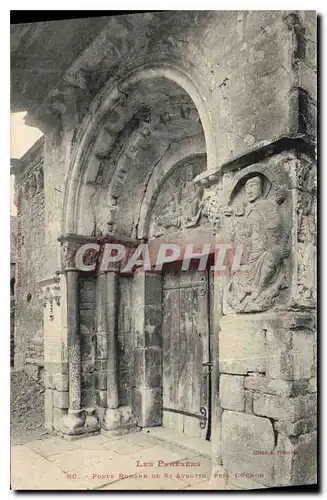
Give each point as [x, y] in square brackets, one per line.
[147, 395]
[107, 316]
[112, 303]
[53, 295]
[78, 420]
[73, 422]
[101, 339]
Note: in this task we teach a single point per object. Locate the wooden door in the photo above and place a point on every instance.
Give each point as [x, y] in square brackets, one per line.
[186, 382]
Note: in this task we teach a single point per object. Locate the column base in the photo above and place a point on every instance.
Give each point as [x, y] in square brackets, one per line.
[80, 422]
[118, 421]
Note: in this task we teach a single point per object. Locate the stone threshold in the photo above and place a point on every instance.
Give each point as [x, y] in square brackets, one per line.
[198, 445]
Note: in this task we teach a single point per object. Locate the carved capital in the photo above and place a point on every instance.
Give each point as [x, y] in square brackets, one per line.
[68, 251]
[50, 293]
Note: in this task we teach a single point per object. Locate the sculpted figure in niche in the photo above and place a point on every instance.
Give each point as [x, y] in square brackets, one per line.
[191, 196]
[182, 209]
[259, 226]
[168, 217]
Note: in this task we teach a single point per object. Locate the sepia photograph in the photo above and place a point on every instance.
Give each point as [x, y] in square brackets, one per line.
[163, 250]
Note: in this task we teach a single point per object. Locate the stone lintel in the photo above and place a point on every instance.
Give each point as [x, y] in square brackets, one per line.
[109, 238]
[257, 153]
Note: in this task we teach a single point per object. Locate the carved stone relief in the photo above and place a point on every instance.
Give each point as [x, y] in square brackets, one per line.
[306, 236]
[68, 250]
[254, 218]
[179, 204]
[50, 294]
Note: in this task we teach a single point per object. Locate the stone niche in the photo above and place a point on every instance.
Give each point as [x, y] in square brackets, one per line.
[177, 207]
[267, 337]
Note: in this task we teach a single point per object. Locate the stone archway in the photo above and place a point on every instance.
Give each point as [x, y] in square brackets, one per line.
[113, 108]
[136, 135]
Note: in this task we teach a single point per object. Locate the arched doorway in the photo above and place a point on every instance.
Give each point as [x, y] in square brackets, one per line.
[136, 159]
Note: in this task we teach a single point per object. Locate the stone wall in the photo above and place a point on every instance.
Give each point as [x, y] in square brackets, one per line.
[268, 394]
[29, 191]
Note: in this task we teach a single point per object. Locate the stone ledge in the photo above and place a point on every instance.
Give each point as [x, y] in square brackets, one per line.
[257, 153]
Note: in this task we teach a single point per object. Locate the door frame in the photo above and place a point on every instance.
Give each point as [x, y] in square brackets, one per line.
[147, 394]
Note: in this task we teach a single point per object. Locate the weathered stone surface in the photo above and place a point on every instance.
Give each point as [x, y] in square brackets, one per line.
[61, 382]
[284, 408]
[303, 342]
[305, 462]
[248, 401]
[268, 386]
[58, 414]
[301, 426]
[290, 348]
[147, 366]
[147, 406]
[49, 381]
[296, 460]
[48, 410]
[243, 438]
[278, 348]
[100, 380]
[312, 385]
[30, 252]
[278, 387]
[231, 392]
[241, 346]
[60, 399]
[101, 399]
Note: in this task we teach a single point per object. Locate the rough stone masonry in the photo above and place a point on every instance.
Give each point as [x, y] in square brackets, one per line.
[174, 127]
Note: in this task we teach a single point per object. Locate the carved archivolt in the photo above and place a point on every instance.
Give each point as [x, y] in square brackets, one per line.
[51, 294]
[103, 129]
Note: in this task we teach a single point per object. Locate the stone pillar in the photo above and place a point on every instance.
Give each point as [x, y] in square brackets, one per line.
[117, 419]
[78, 420]
[73, 423]
[147, 395]
[53, 295]
[110, 290]
[101, 339]
[112, 303]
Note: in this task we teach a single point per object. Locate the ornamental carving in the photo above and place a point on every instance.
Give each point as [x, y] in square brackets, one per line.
[307, 244]
[212, 209]
[51, 294]
[255, 220]
[68, 250]
[181, 208]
